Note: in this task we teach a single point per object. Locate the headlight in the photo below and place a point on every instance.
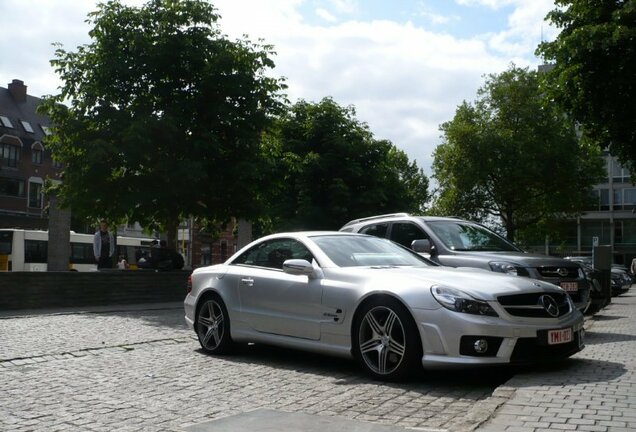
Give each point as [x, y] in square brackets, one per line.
[458, 301]
[504, 267]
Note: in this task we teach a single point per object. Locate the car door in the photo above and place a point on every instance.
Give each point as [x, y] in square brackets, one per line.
[272, 301]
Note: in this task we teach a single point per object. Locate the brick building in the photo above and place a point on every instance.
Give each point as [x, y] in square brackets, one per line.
[201, 248]
[25, 164]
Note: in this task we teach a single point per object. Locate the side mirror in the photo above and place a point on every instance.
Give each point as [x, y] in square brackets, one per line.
[423, 246]
[298, 267]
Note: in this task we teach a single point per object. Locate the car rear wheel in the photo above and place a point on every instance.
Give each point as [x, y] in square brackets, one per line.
[213, 326]
[386, 341]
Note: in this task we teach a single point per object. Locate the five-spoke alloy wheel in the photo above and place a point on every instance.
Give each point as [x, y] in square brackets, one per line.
[213, 326]
[385, 341]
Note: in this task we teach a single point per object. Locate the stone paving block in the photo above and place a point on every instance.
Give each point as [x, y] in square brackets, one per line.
[518, 429]
[562, 426]
[595, 428]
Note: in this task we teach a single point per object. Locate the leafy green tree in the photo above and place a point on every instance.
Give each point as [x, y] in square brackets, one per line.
[164, 116]
[594, 74]
[507, 157]
[328, 169]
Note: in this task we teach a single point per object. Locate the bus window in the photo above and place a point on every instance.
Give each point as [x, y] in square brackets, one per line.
[123, 252]
[82, 253]
[35, 251]
[6, 240]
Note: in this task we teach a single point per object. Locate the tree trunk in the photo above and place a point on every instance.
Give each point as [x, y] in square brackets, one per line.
[510, 226]
[171, 232]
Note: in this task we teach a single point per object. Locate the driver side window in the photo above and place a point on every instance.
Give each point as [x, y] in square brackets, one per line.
[404, 233]
[273, 253]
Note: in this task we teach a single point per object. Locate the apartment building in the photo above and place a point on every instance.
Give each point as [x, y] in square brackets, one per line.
[25, 162]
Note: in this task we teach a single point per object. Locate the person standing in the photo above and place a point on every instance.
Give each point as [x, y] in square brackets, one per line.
[103, 246]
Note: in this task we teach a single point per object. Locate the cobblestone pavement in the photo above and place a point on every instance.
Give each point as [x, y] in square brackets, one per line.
[594, 392]
[142, 370]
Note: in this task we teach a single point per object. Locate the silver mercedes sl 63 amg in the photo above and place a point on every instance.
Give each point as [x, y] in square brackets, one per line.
[368, 298]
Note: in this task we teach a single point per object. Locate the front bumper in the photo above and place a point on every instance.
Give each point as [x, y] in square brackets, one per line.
[514, 341]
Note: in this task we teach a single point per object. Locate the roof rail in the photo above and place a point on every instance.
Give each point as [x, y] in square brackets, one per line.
[375, 217]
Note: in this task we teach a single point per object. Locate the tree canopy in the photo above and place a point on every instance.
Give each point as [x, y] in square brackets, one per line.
[507, 157]
[328, 168]
[163, 117]
[594, 74]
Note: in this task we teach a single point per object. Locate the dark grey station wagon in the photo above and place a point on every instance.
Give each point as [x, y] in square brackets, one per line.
[456, 242]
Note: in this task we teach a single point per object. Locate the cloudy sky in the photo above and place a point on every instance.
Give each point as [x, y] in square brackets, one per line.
[404, 64]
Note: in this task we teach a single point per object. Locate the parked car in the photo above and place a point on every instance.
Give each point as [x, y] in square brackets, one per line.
[620, 279]
[598, 299]
[456, 242]
[368, 298]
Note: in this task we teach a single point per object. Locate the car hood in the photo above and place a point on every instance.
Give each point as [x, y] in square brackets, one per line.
[522, 258]
[480, 284]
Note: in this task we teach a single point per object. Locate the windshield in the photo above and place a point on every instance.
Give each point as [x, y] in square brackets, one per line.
[364, 251]
[462, 236]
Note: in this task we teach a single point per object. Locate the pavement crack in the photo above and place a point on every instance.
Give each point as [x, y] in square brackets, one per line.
[81, 352]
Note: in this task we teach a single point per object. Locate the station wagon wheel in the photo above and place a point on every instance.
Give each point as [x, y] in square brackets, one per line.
[213, 326]
[385, 340]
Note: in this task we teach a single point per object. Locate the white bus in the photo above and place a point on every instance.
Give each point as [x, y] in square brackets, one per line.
[27, 250]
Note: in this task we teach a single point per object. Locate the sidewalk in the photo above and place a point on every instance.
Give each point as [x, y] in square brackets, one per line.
[594, 392]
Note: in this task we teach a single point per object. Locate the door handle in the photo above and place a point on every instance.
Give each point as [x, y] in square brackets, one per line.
[247, 281]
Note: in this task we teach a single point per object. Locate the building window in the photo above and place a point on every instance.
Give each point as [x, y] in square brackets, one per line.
[10, 155]
[27, 126]
[6, 122]
[591, 229]
[46, 130]
[618, 232]
[35, 195]
[618, 199]
[36, 156]
[629, 199]
[12, 187]
[206, 255]
[604, 201]
[628, 231]
[594, 200]
[619, 174]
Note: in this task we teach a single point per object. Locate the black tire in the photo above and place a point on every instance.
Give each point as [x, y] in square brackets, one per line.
[212, 326]
[385, 339]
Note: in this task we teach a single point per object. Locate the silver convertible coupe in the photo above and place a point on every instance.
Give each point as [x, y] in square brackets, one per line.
[359, 296]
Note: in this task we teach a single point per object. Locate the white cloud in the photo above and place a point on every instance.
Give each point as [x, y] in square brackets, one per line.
[345, 6]
[526, 28]
[493, 4]
[436, 18]
[324, 14]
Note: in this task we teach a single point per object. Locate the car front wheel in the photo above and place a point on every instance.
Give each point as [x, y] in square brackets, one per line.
[386, 341]
[213, 326]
